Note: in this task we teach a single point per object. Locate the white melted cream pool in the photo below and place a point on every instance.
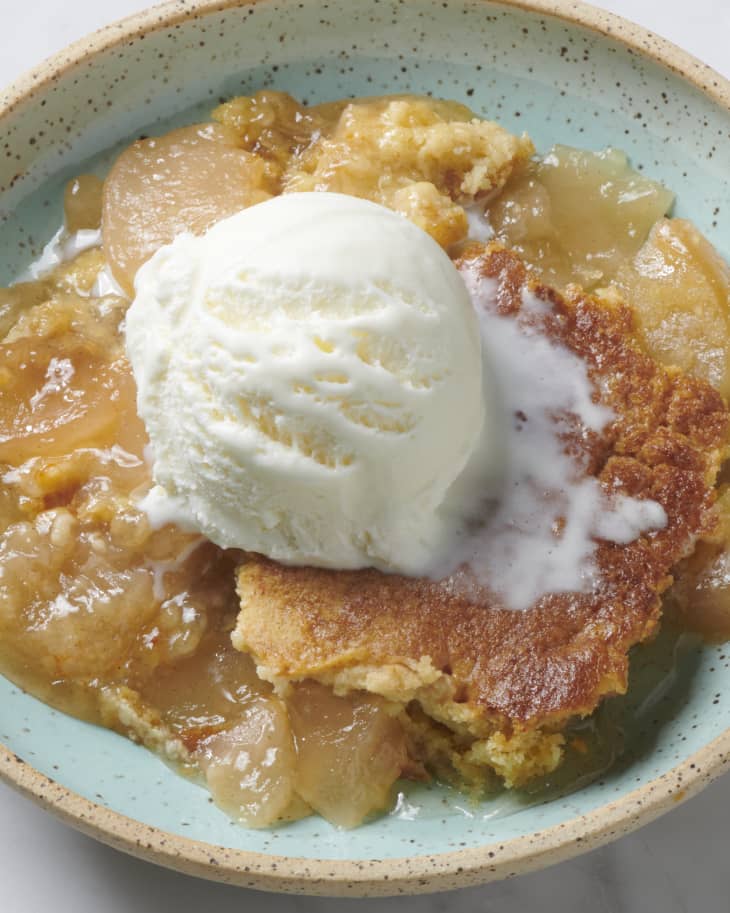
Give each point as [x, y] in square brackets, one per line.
[542, 536]
[62, 247]
[479, 228]
[65, 246]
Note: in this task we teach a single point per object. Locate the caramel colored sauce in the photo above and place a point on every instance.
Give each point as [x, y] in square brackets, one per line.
[183, 181]
[707, 615]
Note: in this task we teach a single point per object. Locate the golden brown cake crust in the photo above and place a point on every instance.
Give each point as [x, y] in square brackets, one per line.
[557, 659]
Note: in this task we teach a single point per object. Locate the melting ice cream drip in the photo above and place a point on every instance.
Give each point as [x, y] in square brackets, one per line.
[542, 535]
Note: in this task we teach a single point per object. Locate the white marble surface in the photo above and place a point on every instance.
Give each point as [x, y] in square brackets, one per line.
[678, 864]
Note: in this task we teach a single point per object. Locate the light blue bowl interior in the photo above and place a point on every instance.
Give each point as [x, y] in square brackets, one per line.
[558, 82]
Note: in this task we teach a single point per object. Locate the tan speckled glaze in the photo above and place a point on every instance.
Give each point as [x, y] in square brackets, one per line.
[411, 874]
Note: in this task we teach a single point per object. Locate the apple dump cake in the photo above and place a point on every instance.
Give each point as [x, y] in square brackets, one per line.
[356, 442]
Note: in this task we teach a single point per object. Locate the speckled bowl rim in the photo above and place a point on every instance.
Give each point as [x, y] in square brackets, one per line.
[372, 877]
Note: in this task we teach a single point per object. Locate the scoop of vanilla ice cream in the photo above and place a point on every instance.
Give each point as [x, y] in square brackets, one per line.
[310, 376]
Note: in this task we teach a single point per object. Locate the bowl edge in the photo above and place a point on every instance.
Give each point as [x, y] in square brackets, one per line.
[372, 877]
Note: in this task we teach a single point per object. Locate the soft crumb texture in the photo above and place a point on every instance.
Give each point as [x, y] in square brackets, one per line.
[505, 683]
[518, 757]
[123, 710]
[424, 158]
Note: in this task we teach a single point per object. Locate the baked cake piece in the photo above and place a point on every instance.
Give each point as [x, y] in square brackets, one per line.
[423, 157]
[480, 687]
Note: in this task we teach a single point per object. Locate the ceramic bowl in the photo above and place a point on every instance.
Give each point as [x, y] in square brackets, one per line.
[565, 73]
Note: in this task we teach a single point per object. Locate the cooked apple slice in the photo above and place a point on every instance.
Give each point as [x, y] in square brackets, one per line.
[578, 216]
[60, 394]
[350, 752]
[250, 767]
[82, 202]
[679, 287]
[185, 180]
